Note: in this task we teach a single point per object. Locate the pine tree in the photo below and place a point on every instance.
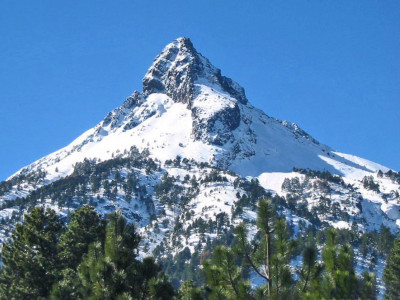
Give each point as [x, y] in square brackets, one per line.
[106, 272]
[265, 218]
[112, 271]
[282, 251]
[340, 280]
[224, 276]
[391, 275]
[270, 256]
[92, 274]
[368, 286]
[85, 228]
[310, 273]
[67, 287]
[188, 291]
[160, 289]
[385, 241]
[30, 260]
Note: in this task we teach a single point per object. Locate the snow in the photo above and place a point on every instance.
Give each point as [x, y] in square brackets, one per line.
[341, 225]
[273, 181]
[261, 147]
[371, 166]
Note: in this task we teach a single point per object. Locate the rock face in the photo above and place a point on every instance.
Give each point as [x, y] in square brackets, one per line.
[180, 72]
[179, 67]
[222, 123]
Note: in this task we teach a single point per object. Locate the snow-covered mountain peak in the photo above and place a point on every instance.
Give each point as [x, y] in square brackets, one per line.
[188, 109]
[179, 68]
[188, 112]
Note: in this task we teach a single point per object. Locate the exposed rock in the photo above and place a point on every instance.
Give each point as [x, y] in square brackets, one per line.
[218, 128]
[179, 67]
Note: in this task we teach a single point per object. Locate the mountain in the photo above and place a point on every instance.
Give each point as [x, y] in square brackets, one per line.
[188, 108]
[189, 153]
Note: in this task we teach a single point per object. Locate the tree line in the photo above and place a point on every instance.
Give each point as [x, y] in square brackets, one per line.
[98, 258]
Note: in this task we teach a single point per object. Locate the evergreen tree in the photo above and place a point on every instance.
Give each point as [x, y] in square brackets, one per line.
[282, 251]
[105, 271]
[310, 273]
[160, 289]
[340, 280]
[368, 286]
[85, 228]
[391, 275]
[270, 256]
[188, 291]
[112, 271]
[385, 241]
[92, 259]
[224, 276]
[67, 287]
[30, 260]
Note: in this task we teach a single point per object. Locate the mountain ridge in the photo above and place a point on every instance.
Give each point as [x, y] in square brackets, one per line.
[188, 110]
[181, 75]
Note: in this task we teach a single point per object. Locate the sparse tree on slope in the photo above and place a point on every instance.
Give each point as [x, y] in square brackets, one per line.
[391, 275]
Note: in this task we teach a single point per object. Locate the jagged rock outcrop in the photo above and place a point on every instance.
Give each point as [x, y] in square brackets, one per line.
[180, 72]
[179, 67]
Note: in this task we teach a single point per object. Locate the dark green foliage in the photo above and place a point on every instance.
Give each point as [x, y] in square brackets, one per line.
[325, 175]
[30, 260]
[85, 227]
[367, 288]
[224, 276]
[385, 240]
[188, 291]
[391, 274]
[91, 259]
[112, 271]
[310, 273]
[340, 280]
[270, 256]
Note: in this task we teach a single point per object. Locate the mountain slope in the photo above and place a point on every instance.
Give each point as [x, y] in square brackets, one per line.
[188, 108]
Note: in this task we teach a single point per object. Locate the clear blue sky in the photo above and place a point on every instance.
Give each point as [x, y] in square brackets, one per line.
[333, 67]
